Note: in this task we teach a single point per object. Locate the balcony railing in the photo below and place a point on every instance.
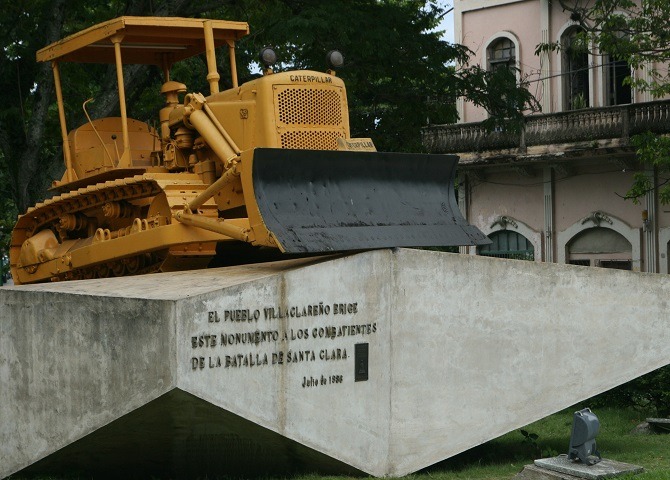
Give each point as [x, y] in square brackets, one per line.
[590, 124]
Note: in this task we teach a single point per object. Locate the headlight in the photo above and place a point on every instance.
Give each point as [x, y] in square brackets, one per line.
[335, 59]
[268, 57]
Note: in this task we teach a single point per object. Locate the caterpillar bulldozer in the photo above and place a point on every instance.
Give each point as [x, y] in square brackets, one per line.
[268, 165]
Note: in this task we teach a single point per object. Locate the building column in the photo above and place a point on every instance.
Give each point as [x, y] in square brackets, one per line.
[646, 74]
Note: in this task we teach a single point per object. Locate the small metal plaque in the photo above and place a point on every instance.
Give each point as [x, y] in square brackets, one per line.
[361, 362]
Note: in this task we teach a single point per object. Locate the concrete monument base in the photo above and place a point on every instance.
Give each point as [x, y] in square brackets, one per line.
[381, 362]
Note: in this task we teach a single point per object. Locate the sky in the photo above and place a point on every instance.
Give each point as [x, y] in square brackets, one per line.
[447, 21]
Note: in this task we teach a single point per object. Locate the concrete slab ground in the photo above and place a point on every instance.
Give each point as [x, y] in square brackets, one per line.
[560, 468]
[381, 362]
[601, 470]
[531, 472]
[660, 425]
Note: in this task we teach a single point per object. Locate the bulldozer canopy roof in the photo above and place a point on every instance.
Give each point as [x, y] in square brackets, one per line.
[146, 40]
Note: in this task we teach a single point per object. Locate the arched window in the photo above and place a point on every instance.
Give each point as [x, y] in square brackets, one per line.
[600, 247]
[501, 53]
[508, 244]
[600, 239]
[575, 71]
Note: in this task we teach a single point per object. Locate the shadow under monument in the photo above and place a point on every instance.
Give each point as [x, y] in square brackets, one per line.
[181, 436]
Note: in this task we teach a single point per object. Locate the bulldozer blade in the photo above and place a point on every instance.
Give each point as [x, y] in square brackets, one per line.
[324, 201]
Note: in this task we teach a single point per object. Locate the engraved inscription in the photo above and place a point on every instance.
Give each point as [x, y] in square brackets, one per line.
[284, 337]
[308, 382]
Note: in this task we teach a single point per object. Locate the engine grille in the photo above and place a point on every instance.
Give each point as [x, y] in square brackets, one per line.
[309, 118]
[306, 106]
[310, 139]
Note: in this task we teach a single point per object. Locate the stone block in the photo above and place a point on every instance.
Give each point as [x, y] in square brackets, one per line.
[382, 362]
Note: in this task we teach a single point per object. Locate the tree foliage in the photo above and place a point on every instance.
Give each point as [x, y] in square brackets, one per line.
[7, 216]
[636, 32]
[399, 73]
[649, 393]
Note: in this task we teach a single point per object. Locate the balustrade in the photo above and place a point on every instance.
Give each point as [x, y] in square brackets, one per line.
[590, 124]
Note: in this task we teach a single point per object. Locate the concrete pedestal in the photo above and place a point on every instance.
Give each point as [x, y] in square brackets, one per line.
[381, 362]
[563, 468]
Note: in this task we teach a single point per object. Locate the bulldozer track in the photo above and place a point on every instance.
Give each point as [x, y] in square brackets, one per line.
[135, 265]
[46, 213]
[78, 200]
[150, 263]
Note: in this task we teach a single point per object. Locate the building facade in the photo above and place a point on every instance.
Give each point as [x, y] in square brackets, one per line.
[554, 191]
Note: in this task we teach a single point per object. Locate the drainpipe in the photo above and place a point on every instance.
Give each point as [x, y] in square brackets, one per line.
[649, 226]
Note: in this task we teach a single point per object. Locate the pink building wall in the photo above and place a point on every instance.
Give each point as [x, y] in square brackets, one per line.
[555, 199]
[486, 196]
[551, 200]
[529, 22]
[600, 185]
[516, 20]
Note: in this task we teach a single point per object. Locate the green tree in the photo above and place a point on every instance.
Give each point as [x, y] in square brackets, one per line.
[29, 131]
[7, 217]
[634, 31]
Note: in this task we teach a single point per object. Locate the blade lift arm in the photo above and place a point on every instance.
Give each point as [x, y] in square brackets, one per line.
[217, 225]
[199, 115]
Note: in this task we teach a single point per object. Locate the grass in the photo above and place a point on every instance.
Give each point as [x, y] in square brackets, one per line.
[504, 457]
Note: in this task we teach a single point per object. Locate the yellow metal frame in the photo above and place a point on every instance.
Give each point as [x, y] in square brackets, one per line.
[145, 40]
[159, 238]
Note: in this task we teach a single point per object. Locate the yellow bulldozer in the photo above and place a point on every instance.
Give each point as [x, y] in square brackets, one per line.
[268, 165]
